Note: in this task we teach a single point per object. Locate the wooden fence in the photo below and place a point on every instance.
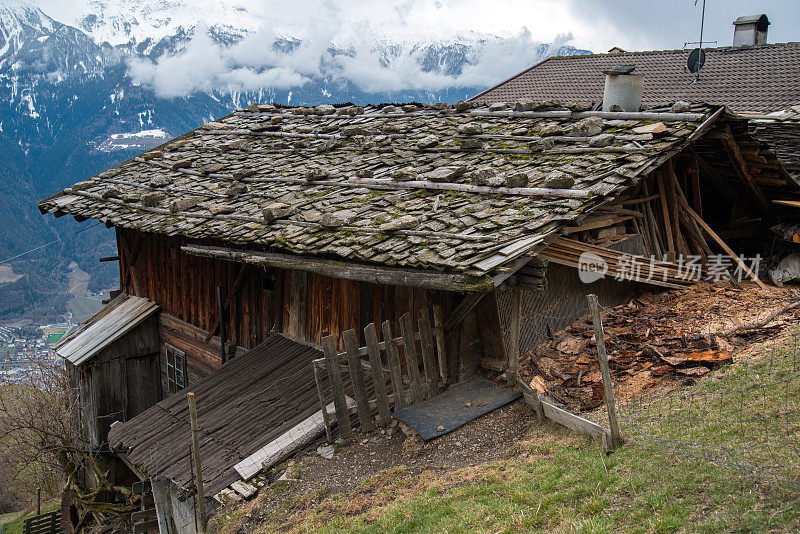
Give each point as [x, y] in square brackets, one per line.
[47, 523]
[410, 359]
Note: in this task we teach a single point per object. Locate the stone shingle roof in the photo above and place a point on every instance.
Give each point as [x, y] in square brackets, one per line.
[464, 190]
[746, 79]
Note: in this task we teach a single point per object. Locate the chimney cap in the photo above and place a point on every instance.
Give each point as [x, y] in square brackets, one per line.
[762, 20]
[617, 70]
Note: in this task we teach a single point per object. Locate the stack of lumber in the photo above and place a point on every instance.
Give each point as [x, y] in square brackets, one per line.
[531, 277]
[651, 340]
[620, 265]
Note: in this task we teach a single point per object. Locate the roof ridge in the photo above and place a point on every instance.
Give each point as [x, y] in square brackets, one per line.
[665, 51]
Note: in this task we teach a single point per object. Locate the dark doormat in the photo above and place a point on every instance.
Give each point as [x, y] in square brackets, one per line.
[455, 407]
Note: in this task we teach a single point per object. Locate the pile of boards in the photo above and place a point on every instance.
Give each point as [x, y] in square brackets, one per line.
[650, 340]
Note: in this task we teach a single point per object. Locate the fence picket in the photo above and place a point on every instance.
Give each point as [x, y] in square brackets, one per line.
[412, 361]
[384, 415]
[394, 366]
[428, 358]
[357, 377]
[337, 387]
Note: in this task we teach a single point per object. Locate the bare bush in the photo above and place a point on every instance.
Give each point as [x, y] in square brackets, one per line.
[41, 445]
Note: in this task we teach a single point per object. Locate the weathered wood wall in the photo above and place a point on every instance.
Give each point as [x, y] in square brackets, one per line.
[118, 383]
[305, 306]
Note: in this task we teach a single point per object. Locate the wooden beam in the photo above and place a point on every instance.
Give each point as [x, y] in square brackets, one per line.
[462, 310]
[720, 242]
[665, 214]
[379, 183]
[348, 271]
[743, 170]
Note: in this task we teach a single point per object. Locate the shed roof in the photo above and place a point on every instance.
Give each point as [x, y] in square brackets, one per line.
[468, 190]
[114, 320]
[757, 79]
[247, 404]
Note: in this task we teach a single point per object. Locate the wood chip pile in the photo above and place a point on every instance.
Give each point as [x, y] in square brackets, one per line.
[651, 340]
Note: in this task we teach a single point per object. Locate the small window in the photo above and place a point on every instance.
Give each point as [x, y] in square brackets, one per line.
[176, 369]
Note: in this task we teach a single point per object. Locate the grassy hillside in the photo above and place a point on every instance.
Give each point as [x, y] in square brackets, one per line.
[557, 481]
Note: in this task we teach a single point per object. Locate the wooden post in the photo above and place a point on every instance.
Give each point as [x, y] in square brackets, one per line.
[602, 359]
[337, 387]
[201, 497]
[441, 352]
[38, 501]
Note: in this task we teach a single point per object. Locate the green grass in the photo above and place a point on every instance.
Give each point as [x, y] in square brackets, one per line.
[84, 307]
[15, 526]
[557, 481]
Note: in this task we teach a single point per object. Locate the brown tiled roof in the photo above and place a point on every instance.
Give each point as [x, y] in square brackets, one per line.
[746, 79]
[467, 190]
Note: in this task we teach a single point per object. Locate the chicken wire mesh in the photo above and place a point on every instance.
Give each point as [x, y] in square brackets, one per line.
[711, 373]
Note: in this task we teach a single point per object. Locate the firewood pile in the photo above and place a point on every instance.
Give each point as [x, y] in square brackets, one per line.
[655, 339]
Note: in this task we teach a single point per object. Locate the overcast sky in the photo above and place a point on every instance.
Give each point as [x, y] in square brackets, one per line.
[594, 24]
[357, 25]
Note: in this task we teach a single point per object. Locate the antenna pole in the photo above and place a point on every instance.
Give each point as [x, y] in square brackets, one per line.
[702, 23]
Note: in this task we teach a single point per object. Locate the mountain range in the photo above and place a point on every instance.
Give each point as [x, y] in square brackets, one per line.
[114, 78]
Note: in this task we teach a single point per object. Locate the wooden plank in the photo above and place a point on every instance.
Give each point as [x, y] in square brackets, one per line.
[532, 397]
[462, 310]
[428, 358]
[384, 415]
[298, 293]
[357, 379]
[337, 387]
[400, 398]
[441, 351]
[665, 215]
[572, 421]
[602, 359]
[287, 443]
[244, 489]
[412, 361]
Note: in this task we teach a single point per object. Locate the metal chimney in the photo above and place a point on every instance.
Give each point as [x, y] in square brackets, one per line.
[750, 30]
[623, 90]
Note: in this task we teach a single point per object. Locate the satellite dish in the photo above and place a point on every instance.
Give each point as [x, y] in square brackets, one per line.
[697, 59]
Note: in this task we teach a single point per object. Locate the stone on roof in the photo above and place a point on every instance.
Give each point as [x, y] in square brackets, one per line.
[394, 186]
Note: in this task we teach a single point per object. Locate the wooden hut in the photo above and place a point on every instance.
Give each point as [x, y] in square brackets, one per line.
[313, 221]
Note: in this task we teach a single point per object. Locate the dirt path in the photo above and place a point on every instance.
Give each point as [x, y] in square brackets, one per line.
[484, 440]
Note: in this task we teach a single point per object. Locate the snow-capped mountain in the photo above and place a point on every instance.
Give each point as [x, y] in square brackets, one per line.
[89, 84]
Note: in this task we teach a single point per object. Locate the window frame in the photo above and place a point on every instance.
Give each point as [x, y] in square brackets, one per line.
[175, 367]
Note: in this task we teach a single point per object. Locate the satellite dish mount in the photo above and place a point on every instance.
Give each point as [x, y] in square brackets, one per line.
[697, 58]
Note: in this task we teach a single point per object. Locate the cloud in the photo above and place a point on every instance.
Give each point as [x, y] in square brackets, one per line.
[204, 65]
[369, 62]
